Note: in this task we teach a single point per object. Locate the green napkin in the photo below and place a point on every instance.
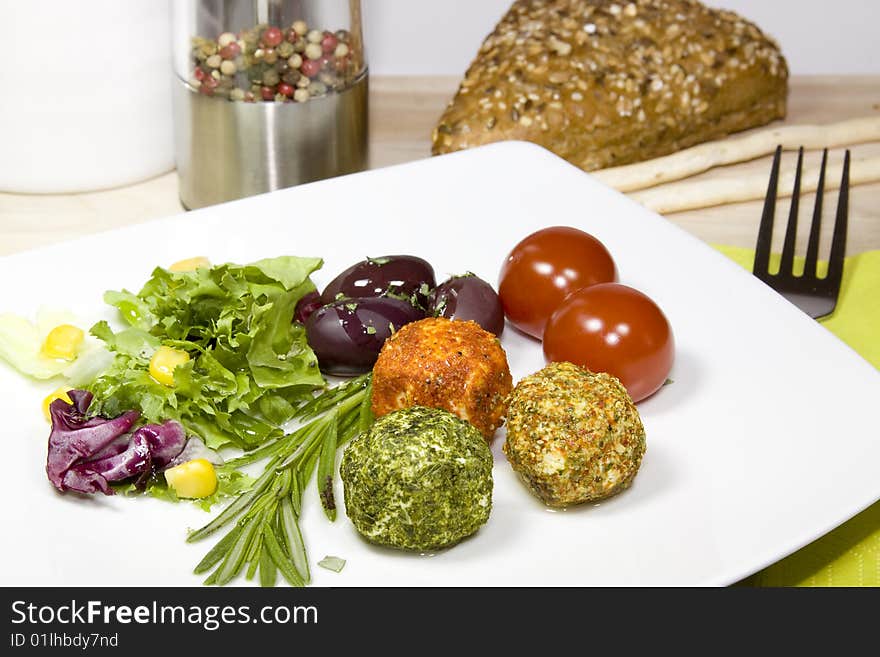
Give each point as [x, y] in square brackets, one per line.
[849, 555]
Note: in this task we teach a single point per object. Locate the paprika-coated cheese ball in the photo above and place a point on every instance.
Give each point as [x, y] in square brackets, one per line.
[441, 363]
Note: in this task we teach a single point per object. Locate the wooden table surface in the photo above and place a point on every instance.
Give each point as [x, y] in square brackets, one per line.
[403, 112]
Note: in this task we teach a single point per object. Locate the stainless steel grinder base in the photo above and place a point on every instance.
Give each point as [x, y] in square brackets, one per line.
[228, 150]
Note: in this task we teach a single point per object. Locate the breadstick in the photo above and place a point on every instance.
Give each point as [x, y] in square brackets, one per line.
[729, 151]
[681, 196]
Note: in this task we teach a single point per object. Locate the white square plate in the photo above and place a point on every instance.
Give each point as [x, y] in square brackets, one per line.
[766, 439]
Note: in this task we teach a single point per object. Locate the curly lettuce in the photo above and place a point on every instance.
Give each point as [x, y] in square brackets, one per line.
[250, 366]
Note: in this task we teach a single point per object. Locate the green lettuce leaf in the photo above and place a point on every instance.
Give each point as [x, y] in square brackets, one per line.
[290, 271]
[250, 366]
[132, 309]
[230, 483]
[278, 351]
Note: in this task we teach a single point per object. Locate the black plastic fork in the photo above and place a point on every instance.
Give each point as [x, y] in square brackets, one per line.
[815, 296]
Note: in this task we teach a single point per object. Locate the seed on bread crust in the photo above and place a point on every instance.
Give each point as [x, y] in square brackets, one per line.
[607, 82]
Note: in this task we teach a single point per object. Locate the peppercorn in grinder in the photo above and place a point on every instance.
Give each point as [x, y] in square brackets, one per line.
[267, 94]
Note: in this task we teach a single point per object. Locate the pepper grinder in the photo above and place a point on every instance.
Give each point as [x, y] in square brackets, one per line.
[267, 94]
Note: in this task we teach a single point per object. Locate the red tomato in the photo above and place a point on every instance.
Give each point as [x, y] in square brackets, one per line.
[544, 268]
[616, 329]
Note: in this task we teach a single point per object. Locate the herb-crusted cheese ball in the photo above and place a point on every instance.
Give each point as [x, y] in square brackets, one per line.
[572, 435]
[443, 363]
[418, 479]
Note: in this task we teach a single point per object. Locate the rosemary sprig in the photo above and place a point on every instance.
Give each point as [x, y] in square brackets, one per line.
[266, 536]
[326, 467]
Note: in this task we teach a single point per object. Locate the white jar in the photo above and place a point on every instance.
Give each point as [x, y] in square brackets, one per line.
[85, 94]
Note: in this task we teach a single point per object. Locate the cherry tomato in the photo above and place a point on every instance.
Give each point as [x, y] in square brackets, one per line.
[544, 268]
[613, 328]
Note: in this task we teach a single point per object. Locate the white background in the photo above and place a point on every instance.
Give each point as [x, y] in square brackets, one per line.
[441, 37]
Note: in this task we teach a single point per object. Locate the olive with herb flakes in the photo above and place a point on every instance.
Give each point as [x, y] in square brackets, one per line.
[400, 276]
[347, 334]
[309, 303]
[469, 297]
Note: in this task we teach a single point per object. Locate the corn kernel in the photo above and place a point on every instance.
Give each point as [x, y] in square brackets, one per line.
[60, 393]
[190, 264]
[193, 479]
[62, 342]
[164, 362]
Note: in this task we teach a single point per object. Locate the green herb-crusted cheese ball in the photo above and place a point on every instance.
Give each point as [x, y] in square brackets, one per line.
[418, 479]
[572, 435]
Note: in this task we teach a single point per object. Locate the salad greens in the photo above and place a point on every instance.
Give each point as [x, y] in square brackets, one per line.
[248, 370]
[265, 534]
[230, 483]
[250, 366]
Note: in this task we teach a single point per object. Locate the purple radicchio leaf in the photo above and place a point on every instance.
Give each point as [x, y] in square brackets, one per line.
[85, 455]
[113, 448]
[165, 441]
[76, 437]
[151, 447]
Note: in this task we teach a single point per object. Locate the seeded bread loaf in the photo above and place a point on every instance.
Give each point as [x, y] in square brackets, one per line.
[603, 83]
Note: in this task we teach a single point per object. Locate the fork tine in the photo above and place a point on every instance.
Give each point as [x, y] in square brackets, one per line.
[765, 231]
[838, 241]
[813, 244]
[787, 261]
